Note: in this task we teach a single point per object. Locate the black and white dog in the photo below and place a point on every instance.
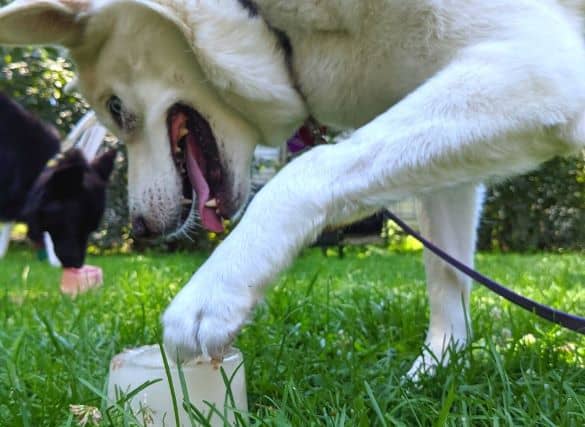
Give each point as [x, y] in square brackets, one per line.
[61, 194]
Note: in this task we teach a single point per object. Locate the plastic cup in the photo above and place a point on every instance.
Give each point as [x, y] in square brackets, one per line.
[204, 383]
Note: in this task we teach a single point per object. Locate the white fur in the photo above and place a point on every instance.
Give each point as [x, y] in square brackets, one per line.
[448, 218]
[50, 248]
[5, 238]
[444, 95]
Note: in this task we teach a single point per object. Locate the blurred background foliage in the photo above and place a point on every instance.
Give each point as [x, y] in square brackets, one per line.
[36, 78]
[544, 210]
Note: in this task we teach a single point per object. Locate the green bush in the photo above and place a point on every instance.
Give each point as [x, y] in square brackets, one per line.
[36, 78]
[543, 210]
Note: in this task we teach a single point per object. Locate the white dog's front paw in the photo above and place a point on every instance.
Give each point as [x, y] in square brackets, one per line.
[436, 352]
[203, 319]
[424, 365]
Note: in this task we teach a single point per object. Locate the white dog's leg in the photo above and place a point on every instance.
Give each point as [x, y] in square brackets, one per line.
[5, 238]
[50, 248]
[462, 126]
[449, 219]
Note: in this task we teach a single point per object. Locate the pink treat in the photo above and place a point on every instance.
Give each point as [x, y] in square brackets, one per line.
[79, 280]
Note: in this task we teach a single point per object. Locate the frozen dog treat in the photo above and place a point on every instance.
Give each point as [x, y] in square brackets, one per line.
[203, 381]
[79, 280]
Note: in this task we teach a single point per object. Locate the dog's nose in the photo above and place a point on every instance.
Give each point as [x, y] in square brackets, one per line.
[139, 228]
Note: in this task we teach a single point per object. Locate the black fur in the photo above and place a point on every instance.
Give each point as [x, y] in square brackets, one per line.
[250, 6]
[284, 42]
[66, 199]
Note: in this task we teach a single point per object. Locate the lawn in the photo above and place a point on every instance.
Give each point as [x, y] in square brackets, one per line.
[328, 347]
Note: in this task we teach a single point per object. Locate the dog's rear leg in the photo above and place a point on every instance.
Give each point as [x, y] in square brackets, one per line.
[449, 219]
[5, 238]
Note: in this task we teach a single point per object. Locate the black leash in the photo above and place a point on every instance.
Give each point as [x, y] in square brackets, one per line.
[313, 134]
[569, 321]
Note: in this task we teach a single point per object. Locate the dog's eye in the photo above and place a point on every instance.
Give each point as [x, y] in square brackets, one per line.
[114, 104]
[125, 119]
[115, 107]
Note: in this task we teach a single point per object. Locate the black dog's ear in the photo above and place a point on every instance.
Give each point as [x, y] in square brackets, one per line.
[104, 164]
[62, 178]
[66, 181]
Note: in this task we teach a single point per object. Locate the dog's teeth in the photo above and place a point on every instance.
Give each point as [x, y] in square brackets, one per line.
[183, 132]
[212, 203]
[186, 201]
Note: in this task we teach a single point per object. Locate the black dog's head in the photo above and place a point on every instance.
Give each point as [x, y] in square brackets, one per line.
[68, 201]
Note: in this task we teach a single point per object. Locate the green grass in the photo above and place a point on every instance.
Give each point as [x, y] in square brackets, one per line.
[328, 347]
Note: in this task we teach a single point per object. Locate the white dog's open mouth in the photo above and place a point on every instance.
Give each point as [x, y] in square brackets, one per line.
[196, 157]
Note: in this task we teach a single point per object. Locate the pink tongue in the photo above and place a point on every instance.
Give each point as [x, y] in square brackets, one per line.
[209, 218]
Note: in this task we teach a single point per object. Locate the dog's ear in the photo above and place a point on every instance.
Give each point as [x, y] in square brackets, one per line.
[43, 22]
[242, 57]
[65, 178]
[104, 164]
[66, 181]
[58, 182]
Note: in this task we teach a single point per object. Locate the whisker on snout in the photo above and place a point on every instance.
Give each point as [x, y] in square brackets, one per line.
[191, 225]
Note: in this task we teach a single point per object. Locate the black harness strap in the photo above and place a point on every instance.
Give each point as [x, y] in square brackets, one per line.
[569, 321]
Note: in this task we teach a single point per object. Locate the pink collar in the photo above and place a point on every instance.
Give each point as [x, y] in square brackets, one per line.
[309, 135]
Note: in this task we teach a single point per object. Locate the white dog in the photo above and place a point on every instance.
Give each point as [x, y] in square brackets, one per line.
[443, 94]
